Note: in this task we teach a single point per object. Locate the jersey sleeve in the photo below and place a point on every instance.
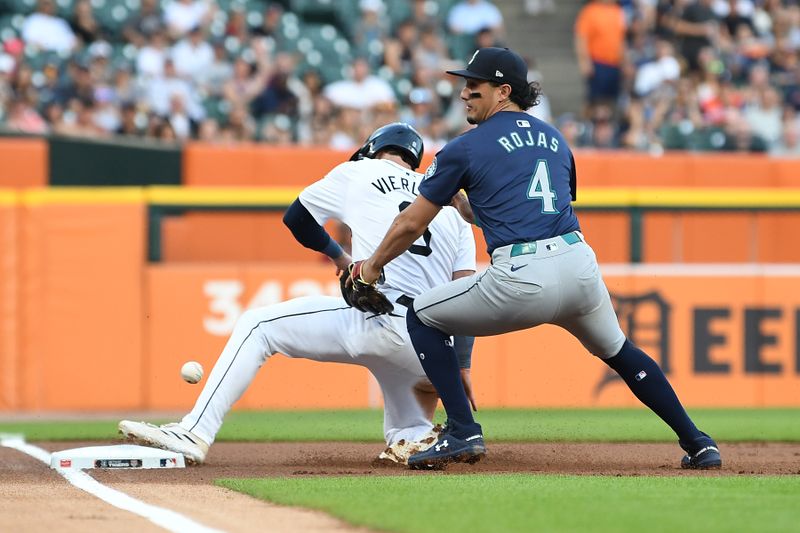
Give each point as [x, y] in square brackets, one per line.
[324, 199]
[573, 178]
[465, 256]
[446, 174]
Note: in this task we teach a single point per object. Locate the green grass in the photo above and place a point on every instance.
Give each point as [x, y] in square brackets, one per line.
[588, 425]
[523, 502]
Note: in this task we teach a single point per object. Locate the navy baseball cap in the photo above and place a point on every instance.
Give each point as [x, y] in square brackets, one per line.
[499, 65]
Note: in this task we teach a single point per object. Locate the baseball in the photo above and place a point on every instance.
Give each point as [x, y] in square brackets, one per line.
[192, 372]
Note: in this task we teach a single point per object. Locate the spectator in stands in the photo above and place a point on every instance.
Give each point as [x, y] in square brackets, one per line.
[398, 52]
[370, 29]
[99, 63]
[600, 49]
[248, 79]
[78, 84]
[487, 38]
[23, 117]
[471, 16]
[54, 115]
[537, 7]
[129, 121]
[49, 90]
[362, 91]
[162, 90]
[278, 131]
[160, 128]
[83, 23]
[237, 25]
[270, 22]
[764, 115]
[178, 117]
[193, 57]
[219, 72]
[208, 130]
[79, 120]
[739, 136]
[105, 114]
[181, 16]
[663, 69]
[150, 20]
[420, 111]
[696, 29]
[572, 129]
[151, 57]
[345, 129]
[240, 125]
[789, 143]
[125, 89]
[431, 53]
[45, 31]
[278, 96]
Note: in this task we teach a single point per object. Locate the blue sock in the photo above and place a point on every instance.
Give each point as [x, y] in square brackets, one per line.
[440, 363]
[648, 383]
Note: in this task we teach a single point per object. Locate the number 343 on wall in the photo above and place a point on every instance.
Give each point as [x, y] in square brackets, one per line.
[226, 299]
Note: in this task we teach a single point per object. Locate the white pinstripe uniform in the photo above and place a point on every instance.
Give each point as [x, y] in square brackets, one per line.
[366, 195]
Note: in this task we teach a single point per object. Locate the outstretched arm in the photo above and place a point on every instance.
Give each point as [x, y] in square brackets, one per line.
[406, 228]
[311, 235]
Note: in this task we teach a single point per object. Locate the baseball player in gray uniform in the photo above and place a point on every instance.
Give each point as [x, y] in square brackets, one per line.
[364, 193]
[519, 175]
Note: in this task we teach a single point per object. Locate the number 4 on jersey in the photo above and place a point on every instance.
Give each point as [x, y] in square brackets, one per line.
[540, 187]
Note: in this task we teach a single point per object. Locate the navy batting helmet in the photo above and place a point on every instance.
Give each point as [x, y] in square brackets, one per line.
[397, 135]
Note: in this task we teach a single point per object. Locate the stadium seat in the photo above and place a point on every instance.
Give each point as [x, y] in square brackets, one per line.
[461, 46]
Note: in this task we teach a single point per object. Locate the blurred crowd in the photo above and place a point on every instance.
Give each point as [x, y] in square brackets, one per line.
[690, 75]
[319, 72]
[660, 74]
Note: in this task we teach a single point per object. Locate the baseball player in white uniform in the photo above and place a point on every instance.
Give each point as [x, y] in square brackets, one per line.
[365, 193]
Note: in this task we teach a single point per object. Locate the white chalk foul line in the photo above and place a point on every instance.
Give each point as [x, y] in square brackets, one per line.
[169, 520]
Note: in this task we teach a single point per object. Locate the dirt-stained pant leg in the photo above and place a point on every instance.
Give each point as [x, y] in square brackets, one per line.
[559, 284]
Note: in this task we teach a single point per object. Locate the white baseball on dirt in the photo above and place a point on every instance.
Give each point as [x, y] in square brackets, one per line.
[192, 372]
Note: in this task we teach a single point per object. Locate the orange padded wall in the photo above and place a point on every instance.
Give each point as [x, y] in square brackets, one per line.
[9, 308]
[81, 293]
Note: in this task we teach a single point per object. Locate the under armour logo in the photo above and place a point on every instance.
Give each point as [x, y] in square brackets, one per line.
[498, 74]
[444, 444]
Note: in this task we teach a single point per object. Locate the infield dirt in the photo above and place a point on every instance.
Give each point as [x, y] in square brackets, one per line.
[34, 498]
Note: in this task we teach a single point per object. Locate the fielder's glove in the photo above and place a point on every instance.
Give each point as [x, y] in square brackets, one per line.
[362, 295]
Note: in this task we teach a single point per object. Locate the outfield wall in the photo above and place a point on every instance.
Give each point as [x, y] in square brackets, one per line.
[87, 323]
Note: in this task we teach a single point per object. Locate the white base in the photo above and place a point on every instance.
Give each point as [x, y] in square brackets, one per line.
[119, 456]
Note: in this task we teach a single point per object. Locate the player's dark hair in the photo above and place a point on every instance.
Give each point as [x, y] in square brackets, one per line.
[405, 155]
[529, 97]
[526, 98]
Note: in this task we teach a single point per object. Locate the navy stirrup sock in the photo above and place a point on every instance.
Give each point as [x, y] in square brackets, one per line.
[440, 363]
[648, 383]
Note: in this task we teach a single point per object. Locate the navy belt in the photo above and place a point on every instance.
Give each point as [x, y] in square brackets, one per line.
[405, 301]
[525, 248]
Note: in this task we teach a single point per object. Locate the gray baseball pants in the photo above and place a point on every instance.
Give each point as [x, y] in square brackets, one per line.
[551, 281]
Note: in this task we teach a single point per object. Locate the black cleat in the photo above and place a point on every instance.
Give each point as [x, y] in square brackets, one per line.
[450, 449]
[702, 454]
